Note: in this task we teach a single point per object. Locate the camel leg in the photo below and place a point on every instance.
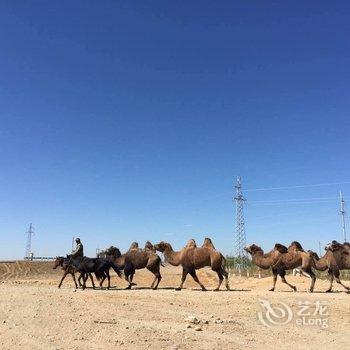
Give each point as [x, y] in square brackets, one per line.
[154, 281]
[274, 280]
[128, 273]
[63, 277]
[157, 276]
[183, 278]
[283, 274]
[221, 278]
[225, 273]
[131, 278]
[331, 278]
[311, 274]
[194, 276]
[337, 275]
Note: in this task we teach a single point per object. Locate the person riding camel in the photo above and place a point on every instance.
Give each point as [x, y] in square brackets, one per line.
[79, 249]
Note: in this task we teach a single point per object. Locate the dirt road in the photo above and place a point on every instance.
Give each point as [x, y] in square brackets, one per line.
[36, 315]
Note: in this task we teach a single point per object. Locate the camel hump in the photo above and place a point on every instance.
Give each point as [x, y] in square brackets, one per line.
[191, 244]
[281, 248]
[149, 246]
[208, 243]
[296, 246]
[134, 245]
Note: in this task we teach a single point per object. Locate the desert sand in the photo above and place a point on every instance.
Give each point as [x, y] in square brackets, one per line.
[35, 314]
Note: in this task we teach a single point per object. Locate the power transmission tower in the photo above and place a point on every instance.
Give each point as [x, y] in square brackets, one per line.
[240, 236]
[30, 233]
[342, 213]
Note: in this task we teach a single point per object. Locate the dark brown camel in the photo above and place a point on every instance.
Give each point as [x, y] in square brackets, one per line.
[136, 259]
[266, 261]
[192, 258]
[337, 258]
[296, 257]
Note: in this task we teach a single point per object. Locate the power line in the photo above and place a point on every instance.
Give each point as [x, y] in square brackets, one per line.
[297, 186]
[289, 203]
[295, 200]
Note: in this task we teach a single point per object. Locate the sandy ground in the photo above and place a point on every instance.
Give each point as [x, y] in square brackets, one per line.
[35, 314]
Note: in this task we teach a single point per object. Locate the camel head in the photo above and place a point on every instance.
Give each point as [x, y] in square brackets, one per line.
[347, 246]
[313, 255]
[333, 246]
[253, 249]
[162, 246]
[336, 246]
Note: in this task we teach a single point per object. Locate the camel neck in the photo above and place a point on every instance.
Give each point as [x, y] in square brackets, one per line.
[261, 260]
[322, 263]
[172, 257]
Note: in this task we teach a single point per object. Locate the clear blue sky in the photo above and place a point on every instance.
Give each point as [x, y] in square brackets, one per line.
[129, 120]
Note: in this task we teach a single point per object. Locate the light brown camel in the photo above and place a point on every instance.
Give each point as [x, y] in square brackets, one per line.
[336, 258]
[296, 257]
[136, 259]
[266, 261]
[192, 258]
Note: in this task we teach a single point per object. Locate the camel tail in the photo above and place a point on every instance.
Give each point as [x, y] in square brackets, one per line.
[223, 263]
[117, 270]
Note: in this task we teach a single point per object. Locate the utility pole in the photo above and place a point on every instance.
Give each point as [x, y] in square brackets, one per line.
[240, 235]
[30, 233]
[342, 213]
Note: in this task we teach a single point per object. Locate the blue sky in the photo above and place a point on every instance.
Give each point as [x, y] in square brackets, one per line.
[125, 121]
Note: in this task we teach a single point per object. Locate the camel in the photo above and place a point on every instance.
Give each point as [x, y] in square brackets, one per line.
[296, 257]
[336, 258]
[192, 258]
[135, 259]
[266, 261]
